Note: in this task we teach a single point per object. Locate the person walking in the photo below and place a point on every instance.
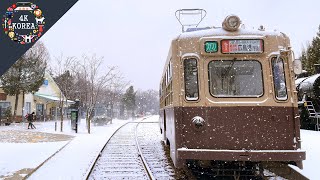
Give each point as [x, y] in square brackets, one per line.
[30, 119]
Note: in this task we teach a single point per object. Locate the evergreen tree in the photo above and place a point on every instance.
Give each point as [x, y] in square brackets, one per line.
[26, 75]
[66, 83]
[129, 100]
[311, 55]
[304, 60]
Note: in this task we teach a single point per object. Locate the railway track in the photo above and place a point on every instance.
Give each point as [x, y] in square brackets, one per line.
[133, 152]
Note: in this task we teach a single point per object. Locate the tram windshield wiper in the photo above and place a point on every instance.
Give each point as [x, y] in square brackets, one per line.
[226, 73]
[228, 69]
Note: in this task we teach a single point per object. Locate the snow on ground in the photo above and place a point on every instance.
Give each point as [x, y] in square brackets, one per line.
[19, 156]
[24, 150]
[74, 161]
[310, 143]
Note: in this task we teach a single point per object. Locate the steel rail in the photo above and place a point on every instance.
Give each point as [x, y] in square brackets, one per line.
[91, 167]
[146, 166]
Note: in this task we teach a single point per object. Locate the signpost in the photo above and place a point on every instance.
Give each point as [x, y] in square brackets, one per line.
[74, 120]
[75, 115]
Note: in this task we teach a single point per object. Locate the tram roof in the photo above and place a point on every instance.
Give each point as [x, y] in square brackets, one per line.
[217, 31]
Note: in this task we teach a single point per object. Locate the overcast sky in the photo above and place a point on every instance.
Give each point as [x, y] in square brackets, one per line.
[135, 34]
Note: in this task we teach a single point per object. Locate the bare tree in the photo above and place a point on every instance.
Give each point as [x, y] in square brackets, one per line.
[86, 80]
[62, 69]
[147, 101]
[113, 93]
[94, 81]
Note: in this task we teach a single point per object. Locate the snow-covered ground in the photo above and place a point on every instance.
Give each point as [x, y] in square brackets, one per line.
[23, 150]
[72, 162]
[311, 144]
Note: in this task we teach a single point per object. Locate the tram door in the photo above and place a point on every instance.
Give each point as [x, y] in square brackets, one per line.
[164, 121]
[165, 126]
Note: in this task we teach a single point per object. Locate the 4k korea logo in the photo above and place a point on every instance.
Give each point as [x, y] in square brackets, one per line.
[23, 22]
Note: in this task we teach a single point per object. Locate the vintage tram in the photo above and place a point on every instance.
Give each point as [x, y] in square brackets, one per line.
[228, 95]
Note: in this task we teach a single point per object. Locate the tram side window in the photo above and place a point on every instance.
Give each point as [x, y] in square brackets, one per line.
[170, 70]
[235, 78]
[279, 79]
[191, 79]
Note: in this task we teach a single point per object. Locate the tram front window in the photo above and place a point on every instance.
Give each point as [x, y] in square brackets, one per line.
[235, 78]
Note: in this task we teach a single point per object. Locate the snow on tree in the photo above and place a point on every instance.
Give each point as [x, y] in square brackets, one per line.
[129, 100]
[311, 55]
[27, 74]
[63, 70]
[92, 81]
[147, 101]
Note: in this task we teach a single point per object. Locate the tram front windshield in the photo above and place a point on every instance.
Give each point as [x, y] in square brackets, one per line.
[235, 78]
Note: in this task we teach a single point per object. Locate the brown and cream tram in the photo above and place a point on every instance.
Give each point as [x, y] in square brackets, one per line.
[228, 94]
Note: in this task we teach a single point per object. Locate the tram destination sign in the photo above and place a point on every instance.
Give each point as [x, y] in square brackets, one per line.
[242, 46]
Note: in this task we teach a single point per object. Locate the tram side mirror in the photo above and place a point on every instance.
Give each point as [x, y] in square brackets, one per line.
[297, 66]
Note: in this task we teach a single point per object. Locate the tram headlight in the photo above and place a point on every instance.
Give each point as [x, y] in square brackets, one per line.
[231, 23]
[198, 122]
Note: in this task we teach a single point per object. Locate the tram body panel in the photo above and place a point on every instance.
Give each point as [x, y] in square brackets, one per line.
[249, 128]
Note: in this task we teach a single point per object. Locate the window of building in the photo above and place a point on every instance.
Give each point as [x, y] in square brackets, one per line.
[3, 107]
[4, 104]
[191, 79]
[28, 107]
[235, 78]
